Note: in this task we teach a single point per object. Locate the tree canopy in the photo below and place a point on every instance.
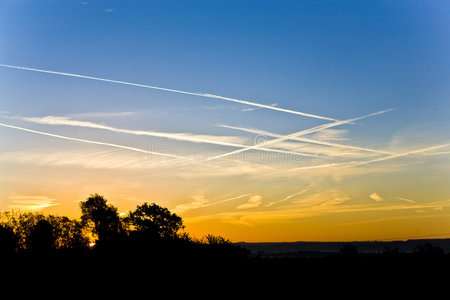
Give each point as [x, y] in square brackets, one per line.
[104, 216]
[154, 219]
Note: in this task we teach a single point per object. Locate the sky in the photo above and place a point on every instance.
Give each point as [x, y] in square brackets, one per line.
[260, 121]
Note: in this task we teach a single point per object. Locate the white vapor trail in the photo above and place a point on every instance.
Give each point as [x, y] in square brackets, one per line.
[50, 120]
[306, 140]
[94, 142]
[401, 154]
[297, 134]
[174, 91]
[360, 163]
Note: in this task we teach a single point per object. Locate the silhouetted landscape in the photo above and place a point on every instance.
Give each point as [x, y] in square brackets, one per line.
[295, 146]
[151, 238]
[321, 249]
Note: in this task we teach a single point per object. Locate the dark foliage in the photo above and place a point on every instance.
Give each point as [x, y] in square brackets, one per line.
[8, 240]
[149, 243]
[105, 218]
[153, 219]
[42, 237]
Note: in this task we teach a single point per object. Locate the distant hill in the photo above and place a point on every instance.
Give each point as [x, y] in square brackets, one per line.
[319, 249]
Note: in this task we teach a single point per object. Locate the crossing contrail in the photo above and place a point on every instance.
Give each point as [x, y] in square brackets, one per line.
[297, 134]
[95, 142]
[401, 154]
[306, 140]
[361, 163]
[50, 120]
[175, 91]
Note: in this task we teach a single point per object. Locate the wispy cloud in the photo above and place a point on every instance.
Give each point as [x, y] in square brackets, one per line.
[254, 202]
[287, 198]
[229, 141]
[108, 10]
[33, 203]
[175, 91]
[315, 205]
[312, 141]
[103, 159]
[94, 142]
[297, 134]
[418, 151]
[255, 108]
[331, 135]
[105, 114]
[217, 140]
[200, 201]
[406, 200]
[376, 197]
[351, 164]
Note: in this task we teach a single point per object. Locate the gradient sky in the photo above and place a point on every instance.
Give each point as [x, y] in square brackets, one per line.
[384, 176]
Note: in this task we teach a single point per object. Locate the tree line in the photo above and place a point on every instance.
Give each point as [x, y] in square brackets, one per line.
[149, 242]
[101, 228]
[151, 235]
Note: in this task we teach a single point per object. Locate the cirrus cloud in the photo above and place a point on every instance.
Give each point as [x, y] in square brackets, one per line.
[376, 197]
[253, 202]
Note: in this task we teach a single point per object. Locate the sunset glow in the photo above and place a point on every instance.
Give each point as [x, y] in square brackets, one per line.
[259, 122]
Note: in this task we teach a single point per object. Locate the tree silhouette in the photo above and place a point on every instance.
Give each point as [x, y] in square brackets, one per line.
[69, 233]
[155, 220]
[104, 217]
[42, 237]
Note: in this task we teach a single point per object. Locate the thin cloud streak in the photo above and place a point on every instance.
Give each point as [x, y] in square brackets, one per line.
[51, 120]
[306, 140]
[32, 203]
[204, 203]
[174, 91]
[360, 163]
[286, 198]
[406, 200]
[94, 142]
[401, 154]
[318, 210]
[297, 134]
[105, 114]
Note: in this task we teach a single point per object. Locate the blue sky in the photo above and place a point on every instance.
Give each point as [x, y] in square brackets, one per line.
[339, 59]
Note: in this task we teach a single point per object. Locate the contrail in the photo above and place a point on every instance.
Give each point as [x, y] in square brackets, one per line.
[188, 206]
[95, 142]
[50, 120]
[174, 91]
[306, 140]
[401, 154]
[297, 134]
[360, 163]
